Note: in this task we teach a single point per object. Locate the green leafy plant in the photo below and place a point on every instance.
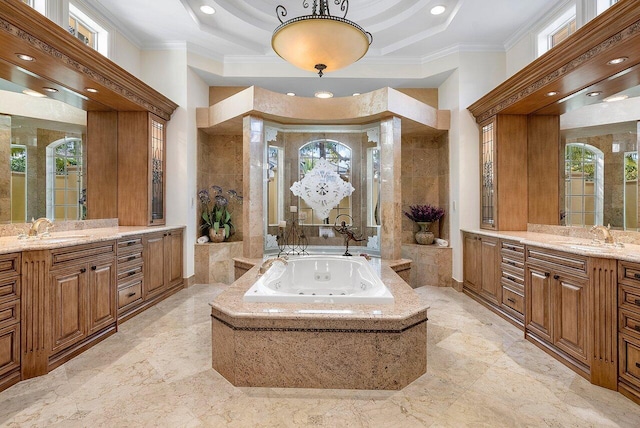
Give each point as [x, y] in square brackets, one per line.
[217, 209]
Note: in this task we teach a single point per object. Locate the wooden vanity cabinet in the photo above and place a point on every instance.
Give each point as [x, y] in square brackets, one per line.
[141, 169]
[503, 172]
[512, 281]
[163, 262]
[130, 274]
[9, 320]
[629, 329]
[82, 297]
[557, 305]
[481, 268]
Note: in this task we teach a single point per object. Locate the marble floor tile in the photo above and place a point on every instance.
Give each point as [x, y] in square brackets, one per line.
[156, 371]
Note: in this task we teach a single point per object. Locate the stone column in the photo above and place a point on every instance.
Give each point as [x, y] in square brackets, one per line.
[5, 169]
[390, 188]
[252, 186]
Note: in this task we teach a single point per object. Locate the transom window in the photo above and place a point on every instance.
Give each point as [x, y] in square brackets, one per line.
[558, 30]
[88, 30]
[602, 5]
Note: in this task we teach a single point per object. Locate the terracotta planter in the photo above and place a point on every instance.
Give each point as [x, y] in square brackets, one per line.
[216, 236]
[424, 236]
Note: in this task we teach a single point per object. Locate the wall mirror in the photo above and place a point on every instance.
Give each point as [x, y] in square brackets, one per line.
[352, 152]
[42, 151]
[599, 175]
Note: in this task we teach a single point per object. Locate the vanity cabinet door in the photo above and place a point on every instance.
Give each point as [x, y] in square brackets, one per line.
[490, 287]
[173, 255]
[68, 309]
[538, 302]
[102, 299]
[154, 264]
[570, 315]
[472, 262]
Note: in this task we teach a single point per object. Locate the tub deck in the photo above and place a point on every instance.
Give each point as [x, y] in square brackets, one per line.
[318, 345]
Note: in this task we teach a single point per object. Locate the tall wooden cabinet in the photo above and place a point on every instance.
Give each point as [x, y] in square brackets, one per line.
[141, 169]
[9, 319]
[503, 173]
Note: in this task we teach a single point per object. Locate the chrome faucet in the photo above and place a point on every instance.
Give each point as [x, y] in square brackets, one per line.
[606, 233]
[268, 263]
[35, 226]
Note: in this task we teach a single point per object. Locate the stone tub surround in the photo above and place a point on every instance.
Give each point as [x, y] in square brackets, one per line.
[431, 265]
[10, 244]
[277, 345]
[214, 262]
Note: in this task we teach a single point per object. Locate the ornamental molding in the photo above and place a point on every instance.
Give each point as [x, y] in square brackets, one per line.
[64, 59]
[610, 43]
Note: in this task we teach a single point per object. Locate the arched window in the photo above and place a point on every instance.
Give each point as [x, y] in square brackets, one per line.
[65, 196]
[584, 184]
[339, 156]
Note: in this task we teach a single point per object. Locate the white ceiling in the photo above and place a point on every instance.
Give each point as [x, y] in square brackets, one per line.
[405, 35]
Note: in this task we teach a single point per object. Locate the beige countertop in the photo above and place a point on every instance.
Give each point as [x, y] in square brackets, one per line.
[406, 311]
[11, 244]
[569, 244]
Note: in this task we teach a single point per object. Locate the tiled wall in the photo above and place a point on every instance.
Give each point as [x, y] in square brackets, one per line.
[425, 180]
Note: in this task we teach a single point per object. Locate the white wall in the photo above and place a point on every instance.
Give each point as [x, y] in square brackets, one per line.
[167, 72]
[477, 74]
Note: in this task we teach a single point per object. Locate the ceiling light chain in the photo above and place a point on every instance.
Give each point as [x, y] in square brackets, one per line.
[302, 45]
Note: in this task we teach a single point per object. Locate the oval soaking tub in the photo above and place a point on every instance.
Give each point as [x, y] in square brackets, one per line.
[320, 279]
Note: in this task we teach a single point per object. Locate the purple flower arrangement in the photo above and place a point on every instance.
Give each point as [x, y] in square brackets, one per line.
[217, 210]
[424, 213]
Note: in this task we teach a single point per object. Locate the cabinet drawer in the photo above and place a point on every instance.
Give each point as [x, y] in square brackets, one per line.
[570, 263]
[9, 288]
[629, 273]
[629, 323]
[9, 264]
[129, 294]
[513, 299]
[512, 275]
[629, 368]
[9, 313]
[513, 263]
[629, 297]
[81, 253]
[130, 259]
[9, 348]
[128, 242]
[127, 274]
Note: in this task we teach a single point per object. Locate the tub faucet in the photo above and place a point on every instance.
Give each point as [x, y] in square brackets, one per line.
[606, 232]
[35, 226]
[268, 263]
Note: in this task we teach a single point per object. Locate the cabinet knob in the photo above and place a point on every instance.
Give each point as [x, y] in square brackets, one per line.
[511, 300]
[131, 294]
[556, 276]
[94, 267]
[132, 273]
[83, 270]
[636, 275]
[130, 243]
[510, 278]
[638, 365]
[636, 328]
[131, 258]
[637, 302]
[546, 274]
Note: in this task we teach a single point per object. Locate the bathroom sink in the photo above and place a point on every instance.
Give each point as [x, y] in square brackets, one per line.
[60, 239]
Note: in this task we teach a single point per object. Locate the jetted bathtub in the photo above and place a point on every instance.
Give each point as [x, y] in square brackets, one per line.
[320, 279]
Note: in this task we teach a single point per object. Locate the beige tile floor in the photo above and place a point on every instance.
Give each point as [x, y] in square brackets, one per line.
[156, 371]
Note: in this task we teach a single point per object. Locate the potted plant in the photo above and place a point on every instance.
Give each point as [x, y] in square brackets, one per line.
[217, 210]
[424, 215]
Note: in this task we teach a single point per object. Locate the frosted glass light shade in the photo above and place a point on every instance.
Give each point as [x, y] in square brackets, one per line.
[329, 40]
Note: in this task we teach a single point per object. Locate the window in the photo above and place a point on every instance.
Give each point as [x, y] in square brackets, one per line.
[602, 5]
[65, 193]
[39, 5]
[275, 185]
[584, 185]
[18, 183]
[339, 156]
[558, 30]
[88, 30]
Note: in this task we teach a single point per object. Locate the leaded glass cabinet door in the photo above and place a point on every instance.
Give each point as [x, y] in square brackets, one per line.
[157, 165]
[487, 176]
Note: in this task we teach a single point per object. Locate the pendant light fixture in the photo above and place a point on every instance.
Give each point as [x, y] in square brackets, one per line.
[320, 41]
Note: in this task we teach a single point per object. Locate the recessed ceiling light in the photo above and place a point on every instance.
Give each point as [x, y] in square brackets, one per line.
[291, 94]
[25, 57]
[92, 90]
[48, 89]
[551, 94]
[594, 93]
[323, 94]
[33, 93]
[616, 98]
[617, 60]
[355, 94]
[207, 9]
[438, 10]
